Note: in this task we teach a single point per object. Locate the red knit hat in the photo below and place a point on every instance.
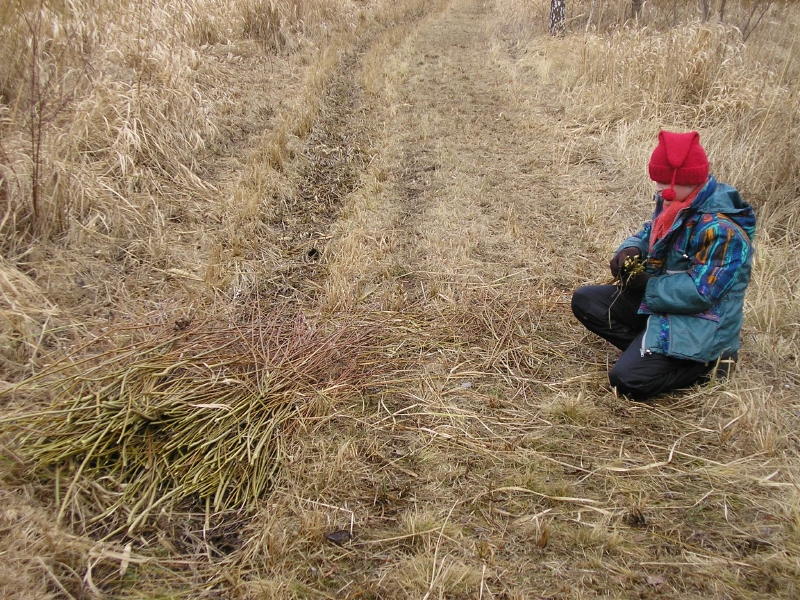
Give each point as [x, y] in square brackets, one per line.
[678, 159]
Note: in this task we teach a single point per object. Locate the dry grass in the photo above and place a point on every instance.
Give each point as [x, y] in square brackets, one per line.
[291, 318]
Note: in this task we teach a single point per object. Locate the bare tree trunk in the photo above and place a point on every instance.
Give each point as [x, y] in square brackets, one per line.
[722, 11]
[558, 11]
[704, 4]
[636, 9]
[747, 29]
[591, 14]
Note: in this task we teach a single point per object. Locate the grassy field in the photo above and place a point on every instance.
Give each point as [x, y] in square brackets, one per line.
[284, 301]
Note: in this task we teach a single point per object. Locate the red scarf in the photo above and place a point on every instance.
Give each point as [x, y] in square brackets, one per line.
[666, 218]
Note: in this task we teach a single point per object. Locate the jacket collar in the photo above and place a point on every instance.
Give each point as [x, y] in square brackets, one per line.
[708, 189]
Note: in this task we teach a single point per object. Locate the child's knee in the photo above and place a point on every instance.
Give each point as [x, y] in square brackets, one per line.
[630, 384]
[581, 303]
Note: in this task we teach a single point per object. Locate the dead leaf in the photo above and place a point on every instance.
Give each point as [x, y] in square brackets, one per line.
[338, 537]
[655, 580]
[635, 518]
[544, 537]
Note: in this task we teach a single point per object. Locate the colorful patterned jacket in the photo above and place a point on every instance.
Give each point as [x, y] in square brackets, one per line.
[702, 269]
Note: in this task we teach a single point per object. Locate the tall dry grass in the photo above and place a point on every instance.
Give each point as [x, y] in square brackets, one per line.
[608, 90]
[103, 105]
[612, 89]
[699, 77]
[111, 115]
[519, 17]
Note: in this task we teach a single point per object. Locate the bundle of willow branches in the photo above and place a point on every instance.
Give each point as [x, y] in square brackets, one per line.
[201, 413]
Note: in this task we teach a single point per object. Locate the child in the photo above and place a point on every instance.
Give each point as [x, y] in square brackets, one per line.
[677, 321]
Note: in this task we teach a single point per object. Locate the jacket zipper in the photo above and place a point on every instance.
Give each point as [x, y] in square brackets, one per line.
[642, 350]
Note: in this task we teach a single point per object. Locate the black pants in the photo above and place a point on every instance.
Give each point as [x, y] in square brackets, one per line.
[612, 314]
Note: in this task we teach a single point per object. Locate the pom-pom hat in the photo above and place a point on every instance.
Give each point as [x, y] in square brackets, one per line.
[678, 159]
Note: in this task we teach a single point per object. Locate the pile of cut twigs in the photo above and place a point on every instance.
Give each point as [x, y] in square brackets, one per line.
[202, 413]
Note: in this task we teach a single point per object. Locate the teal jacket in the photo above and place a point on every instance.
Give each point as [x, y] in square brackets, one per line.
[701, 270]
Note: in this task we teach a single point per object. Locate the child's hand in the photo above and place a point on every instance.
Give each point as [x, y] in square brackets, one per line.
[617, 263]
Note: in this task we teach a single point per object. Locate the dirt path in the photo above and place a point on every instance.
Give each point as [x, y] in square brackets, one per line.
[443, 238]
[472, 180]
[458, 148]
[463, 196]
[466, 206]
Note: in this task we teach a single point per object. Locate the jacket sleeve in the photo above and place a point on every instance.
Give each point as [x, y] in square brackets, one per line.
[717, 251]
[640, 240]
